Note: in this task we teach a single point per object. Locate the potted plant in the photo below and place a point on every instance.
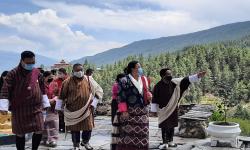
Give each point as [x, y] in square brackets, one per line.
[220, 129]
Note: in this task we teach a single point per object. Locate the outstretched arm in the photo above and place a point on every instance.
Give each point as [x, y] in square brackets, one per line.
[196, 77]
[201, 74]
[185, 82]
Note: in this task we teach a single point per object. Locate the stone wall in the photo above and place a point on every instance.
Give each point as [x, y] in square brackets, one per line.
[103, 109]
[193, 123]
[5, 121]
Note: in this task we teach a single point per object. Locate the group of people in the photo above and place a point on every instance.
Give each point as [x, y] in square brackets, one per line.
[44, 103]
[131, 95]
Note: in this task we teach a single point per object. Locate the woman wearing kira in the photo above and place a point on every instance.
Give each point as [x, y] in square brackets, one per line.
[132, 116]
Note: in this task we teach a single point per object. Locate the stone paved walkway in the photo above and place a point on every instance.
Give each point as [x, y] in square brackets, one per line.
[100, 139]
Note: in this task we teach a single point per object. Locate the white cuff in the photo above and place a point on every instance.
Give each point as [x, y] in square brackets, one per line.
[194, 78]
[154, 107]
[58, 104]
[4, 104]
[95, 102]
[46, 101]
[55, 98]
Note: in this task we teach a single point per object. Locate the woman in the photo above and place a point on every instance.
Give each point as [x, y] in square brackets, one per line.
[51, 116]
[133, 98]
[114, 107]
[3, 76]
[57, 83]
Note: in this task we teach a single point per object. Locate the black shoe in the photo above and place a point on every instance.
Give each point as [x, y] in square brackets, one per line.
[171, 144]
[87, 146]
[52, 144]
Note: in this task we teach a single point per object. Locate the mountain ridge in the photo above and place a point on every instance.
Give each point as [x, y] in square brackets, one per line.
[10, 60]
[226, 32]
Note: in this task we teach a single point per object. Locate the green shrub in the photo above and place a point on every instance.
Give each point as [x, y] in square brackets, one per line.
[241, 113]
[218, 113]
[217, 116]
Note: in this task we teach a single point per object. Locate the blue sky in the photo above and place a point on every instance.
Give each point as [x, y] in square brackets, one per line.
[71, 29]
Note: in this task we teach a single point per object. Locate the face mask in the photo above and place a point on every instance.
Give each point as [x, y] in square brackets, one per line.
[78, 74]
[61, 76]
[50, 80]
[168, 78]
[140, 71]
[28, 66]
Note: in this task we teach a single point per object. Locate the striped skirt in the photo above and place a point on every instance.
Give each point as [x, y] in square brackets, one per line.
[115, 132]
[133, 132]
[115, 124]
[51, 126]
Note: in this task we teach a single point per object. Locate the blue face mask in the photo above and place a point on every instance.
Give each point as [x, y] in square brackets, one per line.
[140, 71]
[28, 66]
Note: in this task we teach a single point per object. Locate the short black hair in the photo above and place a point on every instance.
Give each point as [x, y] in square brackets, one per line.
[41, 70]
[76, 65]
[47, 73]
[4, 73]
[131, 65]
[163, 72]
[125, 70]
[89, 71]
[27, 54]
[53, 71]
[62, 70]
[119, 76]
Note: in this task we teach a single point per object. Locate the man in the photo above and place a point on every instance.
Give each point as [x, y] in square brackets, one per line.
[166, 96]
[76, 98]
[89, 72]
[24, 91]
[57, 86]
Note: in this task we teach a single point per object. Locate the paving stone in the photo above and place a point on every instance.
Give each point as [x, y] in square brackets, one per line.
[101, 137]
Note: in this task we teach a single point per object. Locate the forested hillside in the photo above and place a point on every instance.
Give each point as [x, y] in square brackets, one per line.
[156, 46]
[227, 64]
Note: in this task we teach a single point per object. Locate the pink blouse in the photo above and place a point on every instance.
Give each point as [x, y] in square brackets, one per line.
[114, 91]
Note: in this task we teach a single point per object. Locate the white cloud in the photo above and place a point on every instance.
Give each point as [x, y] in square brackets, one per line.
[158, 23]
[49, 35]
[50, 30]
[171, 18]
[220, 11]
[16, 44]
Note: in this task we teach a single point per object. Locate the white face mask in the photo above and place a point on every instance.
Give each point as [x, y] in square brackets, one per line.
[61, 76]
[78, 74]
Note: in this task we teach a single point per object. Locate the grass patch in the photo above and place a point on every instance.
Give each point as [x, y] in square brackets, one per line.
[244, 125]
